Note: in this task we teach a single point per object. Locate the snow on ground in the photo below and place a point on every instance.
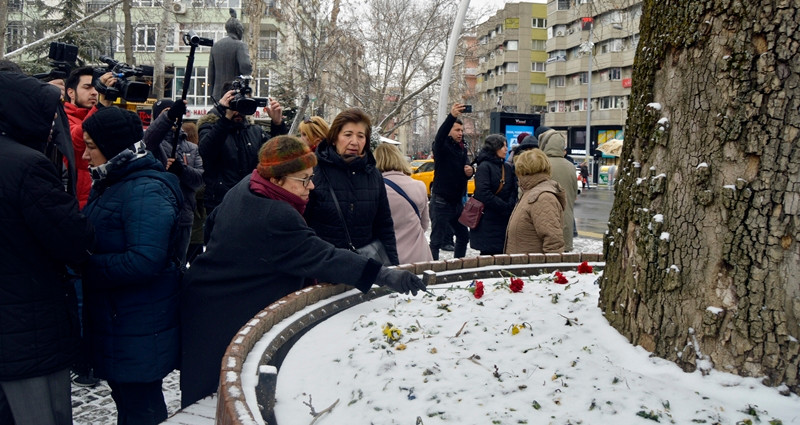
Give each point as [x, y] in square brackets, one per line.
[544, 355]
[94, 406]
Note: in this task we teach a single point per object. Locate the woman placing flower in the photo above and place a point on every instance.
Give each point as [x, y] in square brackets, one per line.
[260, 249]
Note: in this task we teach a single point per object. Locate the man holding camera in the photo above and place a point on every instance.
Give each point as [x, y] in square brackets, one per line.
[229, 143]
[82, 100]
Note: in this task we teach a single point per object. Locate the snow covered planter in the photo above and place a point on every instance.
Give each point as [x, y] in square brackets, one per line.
[255, 355]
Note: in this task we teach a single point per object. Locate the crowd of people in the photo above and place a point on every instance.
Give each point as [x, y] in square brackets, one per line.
[103, 217]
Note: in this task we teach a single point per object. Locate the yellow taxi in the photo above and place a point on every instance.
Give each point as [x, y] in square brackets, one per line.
[417, 162]
[424, 173]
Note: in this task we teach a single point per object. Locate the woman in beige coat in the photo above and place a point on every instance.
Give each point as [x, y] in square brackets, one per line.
[535, 225]
[410, 216]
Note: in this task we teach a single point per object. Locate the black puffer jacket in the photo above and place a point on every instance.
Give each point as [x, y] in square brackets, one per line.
[229, 151]
[490, 234]
[41, 230]
[362, 197]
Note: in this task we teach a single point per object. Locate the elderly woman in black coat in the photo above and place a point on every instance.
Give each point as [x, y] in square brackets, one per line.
[496, 187]
[346, 167]
[260, 249]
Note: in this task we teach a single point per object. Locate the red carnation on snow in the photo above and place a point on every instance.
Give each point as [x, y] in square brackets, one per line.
[584, 267]
[560, 278]
[477, 291]
[516, 284]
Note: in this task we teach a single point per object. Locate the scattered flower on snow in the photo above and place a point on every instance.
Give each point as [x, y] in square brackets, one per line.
[560, 278]
[516, 284]
[584, 267]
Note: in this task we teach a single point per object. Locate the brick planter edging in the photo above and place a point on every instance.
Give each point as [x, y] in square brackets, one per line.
[232, 408]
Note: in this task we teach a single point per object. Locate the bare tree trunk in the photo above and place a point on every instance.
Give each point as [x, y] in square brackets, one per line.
[703, 252]
[127, 36]
[3, 23]
[255, 12]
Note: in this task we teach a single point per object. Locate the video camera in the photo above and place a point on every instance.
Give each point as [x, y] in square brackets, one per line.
[62, 59]
[242, 101]
[132, 91]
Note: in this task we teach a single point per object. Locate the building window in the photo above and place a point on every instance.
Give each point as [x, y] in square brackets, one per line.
[198, 91]
[144, 37]
[614, 74]
[538, 89]
[562, 106]
[512, 45]
[15, 6]
[607, 102]
[145, 3]
[510, 88]
[539, 23]
[484, 39]
[557, 56]
[15, 36]
[563, 4]
[499, 29]
[538, 44]
[552, 106]
[557, 81]
[268, 45]
[493, 34]
[261, 84]
[620, 102]
[583, 77]
[537, 66]
[512, 67]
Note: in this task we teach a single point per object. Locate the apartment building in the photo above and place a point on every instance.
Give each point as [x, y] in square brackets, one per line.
[511, 54]
[205, 17]
[603, 34]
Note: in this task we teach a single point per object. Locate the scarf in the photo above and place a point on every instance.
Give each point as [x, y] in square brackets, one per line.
[266, 188]
[136, 151]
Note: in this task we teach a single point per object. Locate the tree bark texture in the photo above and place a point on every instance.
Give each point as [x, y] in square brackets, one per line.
[703, 252]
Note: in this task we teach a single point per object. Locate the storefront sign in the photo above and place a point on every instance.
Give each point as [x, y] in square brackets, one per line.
[627, 83]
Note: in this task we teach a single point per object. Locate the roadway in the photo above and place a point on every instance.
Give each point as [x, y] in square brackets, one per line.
[592, 209]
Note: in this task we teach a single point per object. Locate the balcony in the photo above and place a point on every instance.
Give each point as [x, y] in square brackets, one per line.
[267, 54]
[94, 6]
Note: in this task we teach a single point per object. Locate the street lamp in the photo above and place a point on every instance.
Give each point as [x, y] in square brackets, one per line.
[588, 47]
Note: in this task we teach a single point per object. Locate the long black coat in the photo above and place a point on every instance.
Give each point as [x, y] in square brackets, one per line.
[229, 151]
[362, 198]
[259, 251]
[449, 180]
[41, 230]
[490, 234]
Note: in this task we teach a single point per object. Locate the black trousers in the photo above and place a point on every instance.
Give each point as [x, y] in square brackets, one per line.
[139, 403]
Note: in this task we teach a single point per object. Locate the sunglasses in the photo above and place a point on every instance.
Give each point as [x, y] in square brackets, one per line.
[305, 180]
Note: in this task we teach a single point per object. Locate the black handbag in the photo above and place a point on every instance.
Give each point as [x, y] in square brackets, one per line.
[374, 249]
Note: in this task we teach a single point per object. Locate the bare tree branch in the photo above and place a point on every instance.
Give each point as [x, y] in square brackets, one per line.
[69, 28]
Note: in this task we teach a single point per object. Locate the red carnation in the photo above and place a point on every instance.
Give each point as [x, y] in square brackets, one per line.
[516, 284]
[560, 278]
[584, 267]
[478, 289]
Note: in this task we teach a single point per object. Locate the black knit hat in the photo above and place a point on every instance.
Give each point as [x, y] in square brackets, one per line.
[159, 107]
[113, 130]
[284, 155]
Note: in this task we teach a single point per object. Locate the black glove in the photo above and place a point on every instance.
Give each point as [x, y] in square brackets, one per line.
[176, 167]
[400, 280]
[176, 111]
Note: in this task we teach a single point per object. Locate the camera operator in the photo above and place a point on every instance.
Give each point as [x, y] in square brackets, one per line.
[82, 100]
[186, 164]
[229, 144]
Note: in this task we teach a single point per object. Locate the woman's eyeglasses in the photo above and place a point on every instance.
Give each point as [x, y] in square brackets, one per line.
[305, 180]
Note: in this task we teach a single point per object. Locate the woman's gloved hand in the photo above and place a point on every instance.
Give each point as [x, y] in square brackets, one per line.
[400, 280]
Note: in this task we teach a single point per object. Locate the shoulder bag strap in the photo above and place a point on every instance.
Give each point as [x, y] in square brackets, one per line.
[502, 178]
[338, 210]
[402, 193]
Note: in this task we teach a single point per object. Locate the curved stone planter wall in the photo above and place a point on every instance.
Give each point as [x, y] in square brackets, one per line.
[232, 407]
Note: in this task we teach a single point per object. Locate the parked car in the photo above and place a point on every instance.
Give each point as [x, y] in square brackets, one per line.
[425, 174]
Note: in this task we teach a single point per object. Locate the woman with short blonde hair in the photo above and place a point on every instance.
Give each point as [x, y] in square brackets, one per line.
[313, 130]
[408, 202]
[536, 223]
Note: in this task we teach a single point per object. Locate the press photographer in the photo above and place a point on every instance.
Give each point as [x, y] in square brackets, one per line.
[229, 143]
